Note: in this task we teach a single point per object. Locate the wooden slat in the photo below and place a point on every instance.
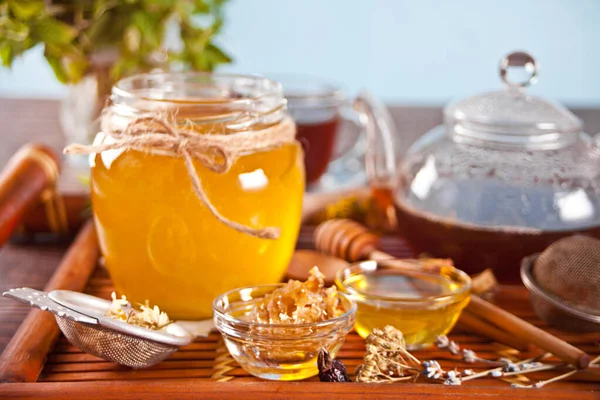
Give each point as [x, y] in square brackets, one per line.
[252, 390]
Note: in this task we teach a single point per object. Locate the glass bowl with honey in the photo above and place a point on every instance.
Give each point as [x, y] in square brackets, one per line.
[422, 300]
[283, 346]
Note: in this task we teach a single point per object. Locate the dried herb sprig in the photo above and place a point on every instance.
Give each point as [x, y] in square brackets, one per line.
[387, 359]
[543, 383]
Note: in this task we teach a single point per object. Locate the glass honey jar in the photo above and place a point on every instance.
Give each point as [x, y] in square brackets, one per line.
[203, 194]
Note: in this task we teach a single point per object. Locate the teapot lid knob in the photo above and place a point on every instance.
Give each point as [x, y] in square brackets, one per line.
[519, 59]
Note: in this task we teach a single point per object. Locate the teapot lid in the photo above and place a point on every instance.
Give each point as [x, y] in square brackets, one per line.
[512, 115]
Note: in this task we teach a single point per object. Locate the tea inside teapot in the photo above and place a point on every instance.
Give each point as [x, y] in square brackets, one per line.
[505, 176]
[492, 226]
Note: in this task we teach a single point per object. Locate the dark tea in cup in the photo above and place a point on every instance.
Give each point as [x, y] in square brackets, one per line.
[318, 140]
[316, 107]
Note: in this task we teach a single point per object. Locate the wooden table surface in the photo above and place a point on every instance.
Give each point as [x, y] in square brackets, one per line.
[25, 120]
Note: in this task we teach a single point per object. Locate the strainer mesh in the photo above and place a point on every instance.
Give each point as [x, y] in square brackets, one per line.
[570, 270]
[114, 346]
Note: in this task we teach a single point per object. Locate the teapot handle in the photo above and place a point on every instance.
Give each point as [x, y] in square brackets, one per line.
[382, 138]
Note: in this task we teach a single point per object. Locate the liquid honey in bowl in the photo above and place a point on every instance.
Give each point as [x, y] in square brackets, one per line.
[422, 303]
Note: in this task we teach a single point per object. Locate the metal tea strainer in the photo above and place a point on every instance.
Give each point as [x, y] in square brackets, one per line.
[82, 319]
[564, 283]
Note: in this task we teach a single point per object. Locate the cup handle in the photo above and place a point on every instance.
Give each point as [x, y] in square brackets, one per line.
[382, 138]
[349, 143]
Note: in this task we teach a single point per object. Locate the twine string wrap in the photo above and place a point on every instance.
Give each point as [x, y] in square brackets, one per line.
[217, 152]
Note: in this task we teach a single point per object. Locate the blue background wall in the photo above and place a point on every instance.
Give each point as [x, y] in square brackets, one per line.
[413, 51]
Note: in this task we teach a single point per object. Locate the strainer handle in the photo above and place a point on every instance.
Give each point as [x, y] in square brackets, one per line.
[39, 299]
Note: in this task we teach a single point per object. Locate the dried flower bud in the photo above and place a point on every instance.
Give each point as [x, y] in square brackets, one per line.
[511, 367]
[453, 348]
[452, 379]
[469, 356]
[442, 341]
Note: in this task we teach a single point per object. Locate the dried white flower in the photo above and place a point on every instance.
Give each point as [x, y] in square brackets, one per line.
[148, 317]
[452, 379]
[469, 356]
[453, 348]
[116, 310]
[442, 341]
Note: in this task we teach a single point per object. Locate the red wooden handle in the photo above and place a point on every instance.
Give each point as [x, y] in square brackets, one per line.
[29, 173]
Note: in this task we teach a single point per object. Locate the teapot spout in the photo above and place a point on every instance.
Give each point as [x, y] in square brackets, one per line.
[382, 139]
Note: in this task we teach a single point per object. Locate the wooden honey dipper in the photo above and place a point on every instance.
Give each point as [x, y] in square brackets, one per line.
[354, 242]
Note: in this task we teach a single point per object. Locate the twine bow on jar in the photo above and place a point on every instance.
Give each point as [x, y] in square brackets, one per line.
[217, 152]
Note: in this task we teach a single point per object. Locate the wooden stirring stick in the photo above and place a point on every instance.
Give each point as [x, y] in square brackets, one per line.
[479, 326]
[520, 328]
[352, 241]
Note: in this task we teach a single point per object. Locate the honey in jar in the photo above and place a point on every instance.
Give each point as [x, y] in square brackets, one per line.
[159, 240]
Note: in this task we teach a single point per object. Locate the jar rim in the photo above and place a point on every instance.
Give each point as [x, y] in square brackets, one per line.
[236, 101]
[121, 90]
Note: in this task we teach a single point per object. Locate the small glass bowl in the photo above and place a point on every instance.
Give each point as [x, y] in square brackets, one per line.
[283, 352]
[421, 301]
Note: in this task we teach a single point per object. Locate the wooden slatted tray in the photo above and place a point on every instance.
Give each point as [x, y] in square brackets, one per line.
[204, 369]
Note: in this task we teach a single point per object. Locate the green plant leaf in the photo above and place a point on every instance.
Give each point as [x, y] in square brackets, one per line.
[57, 67]
[124, 66]
[73, 31]
[53, 32]
[27, 9]
[76, 67]
[6, 54]
[216, 55]
[150, 26]
[201, 6]
[156, 5]
[14, 30]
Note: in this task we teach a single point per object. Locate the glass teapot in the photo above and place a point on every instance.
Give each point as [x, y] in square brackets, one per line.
[504, 176]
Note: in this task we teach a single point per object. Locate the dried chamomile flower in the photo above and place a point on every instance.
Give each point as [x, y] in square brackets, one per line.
[148, 317]
[119, 308]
